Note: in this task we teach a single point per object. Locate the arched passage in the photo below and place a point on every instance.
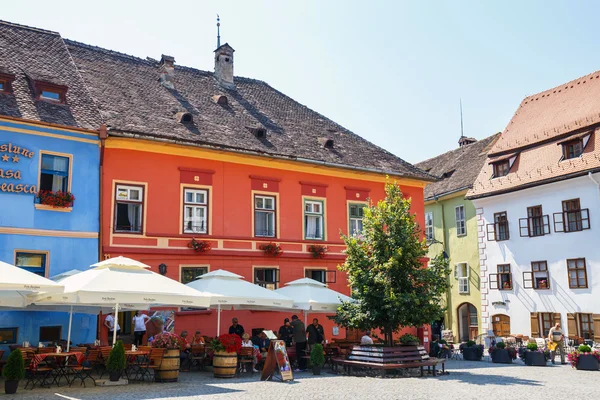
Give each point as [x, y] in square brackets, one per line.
[467, 322]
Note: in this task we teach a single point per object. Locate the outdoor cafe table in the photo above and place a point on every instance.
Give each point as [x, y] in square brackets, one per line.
[60, 365]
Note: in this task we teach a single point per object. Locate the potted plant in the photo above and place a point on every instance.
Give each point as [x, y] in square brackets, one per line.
[534, 356]
[584, 358]
[409, 340]
[271, 249]
[199, 246]
[471, 351]
[13, 371]
[57, 199]
[501, 354]
[226, 348]
[168, 371]
[317, 250]
[317, 358]
[116, 362]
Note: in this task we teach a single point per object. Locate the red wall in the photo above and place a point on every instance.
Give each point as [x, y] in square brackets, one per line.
[231, 209]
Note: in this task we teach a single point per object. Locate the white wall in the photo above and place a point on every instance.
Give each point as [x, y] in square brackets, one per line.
[554, 248]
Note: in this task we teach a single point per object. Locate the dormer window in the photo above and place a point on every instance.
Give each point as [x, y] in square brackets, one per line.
[5, 83]
[501, 168]
[50, 92]
[572, 149]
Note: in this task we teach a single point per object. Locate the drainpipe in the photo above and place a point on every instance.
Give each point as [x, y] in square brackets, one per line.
[102, 135]
[596, 182]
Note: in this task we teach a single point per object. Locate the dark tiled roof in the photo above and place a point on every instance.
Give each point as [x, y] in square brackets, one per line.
[457, 169]
[131, 99]
[30, 53]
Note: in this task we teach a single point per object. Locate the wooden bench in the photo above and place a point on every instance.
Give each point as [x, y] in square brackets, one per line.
[389, 358]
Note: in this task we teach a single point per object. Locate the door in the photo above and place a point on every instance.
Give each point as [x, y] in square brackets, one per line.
[501, 325]
[467, 322]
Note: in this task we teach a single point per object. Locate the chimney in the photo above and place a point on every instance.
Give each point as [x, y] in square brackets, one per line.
[463, 141]
[224, 66]
[167, 71]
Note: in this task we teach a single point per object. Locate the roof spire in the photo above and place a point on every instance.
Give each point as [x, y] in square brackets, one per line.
[218, 31]
[462, 134]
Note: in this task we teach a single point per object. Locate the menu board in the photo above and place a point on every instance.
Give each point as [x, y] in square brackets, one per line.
[277, 363]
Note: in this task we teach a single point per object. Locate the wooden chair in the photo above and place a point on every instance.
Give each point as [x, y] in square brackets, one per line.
[78, 349]
[246, 356]
[198, 356]
[36, 374]
[153, 361]
[83, 372]
[104, 353]
[145, 348]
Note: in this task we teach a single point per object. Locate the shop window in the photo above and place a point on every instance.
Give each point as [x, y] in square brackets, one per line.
[195, 211]
[266, 277]
[50, 333]
[129, 205]
[32, 262]
[8, 335]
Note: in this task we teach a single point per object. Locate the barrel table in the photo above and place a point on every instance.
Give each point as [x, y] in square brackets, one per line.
[224, 364]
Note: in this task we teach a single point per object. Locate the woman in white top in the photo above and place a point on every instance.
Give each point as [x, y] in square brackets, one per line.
[139, 327]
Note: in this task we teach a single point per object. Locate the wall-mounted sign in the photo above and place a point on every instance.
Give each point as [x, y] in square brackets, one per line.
[10, 175]
[498, 303]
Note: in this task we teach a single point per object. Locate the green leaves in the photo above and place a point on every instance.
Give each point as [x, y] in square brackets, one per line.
[387, 273]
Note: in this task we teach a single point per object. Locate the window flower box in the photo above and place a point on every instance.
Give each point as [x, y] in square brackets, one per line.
[317, 250]
[271, 249]
[58, 199]
[199, 246]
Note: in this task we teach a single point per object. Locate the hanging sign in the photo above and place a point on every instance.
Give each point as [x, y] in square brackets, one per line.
[10, 175]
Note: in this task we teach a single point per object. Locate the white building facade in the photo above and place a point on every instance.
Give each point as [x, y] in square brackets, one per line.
[535, 272]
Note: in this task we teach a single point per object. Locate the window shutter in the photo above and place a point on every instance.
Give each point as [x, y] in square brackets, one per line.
[585, 219]
[468, 270]
[493, 281]
[556, 318]
[528, 280]
[277, 275]
[559, 225]
[523, 227]
[456, 271]
[571, 326]
[491, 232]
[596, 318]
[535, 325]
[330, 276]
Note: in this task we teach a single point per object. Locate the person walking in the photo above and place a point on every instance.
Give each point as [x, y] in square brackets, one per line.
[139, 327]
[300, 340]
[556, 336]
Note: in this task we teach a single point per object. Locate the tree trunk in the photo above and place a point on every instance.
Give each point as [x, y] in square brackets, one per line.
[389, 336]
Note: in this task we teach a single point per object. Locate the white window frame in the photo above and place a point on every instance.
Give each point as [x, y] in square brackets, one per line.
[461, 220]
[311, 213]
[429, 234]
[265, 210]
[194, 206]
[127, 199]
[355, 220]
[463, 278]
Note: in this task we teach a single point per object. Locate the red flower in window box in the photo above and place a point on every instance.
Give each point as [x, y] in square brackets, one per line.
[199, 246]
[271, 249]
[317, 250]
[58, 199]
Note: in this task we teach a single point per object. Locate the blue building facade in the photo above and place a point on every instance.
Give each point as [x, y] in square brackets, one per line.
[44, 239]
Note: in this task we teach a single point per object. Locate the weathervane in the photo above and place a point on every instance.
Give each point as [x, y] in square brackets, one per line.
[218, 31]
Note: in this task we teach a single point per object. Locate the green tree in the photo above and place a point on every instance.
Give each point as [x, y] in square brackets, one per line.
[386, 272]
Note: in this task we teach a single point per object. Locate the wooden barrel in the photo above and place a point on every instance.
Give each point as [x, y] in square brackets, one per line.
[169, 368]
[224, 364]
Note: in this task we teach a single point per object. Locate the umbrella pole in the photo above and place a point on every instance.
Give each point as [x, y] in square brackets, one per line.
[218, 320]
[69, 333]
[115, 324]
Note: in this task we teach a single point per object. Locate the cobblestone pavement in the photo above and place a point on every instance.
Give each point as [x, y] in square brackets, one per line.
[467, 380]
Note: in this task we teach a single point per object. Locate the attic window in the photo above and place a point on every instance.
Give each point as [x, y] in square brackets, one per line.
[448, 174]
[501, 168]
[220, 100]
[50, 92]
[5, 83]
[184, 117]
[572, 149]
[260, 133]
[329, 144]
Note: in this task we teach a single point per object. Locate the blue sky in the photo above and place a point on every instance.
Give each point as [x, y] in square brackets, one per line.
[391, 71]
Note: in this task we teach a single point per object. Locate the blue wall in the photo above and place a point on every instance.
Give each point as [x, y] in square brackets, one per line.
[18, 211]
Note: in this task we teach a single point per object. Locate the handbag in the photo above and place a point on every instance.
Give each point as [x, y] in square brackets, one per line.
[552, 346]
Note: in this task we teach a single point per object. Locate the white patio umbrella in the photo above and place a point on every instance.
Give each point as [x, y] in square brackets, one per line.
[229, 290]
[312, 296]
[122, 281]
[16, 284]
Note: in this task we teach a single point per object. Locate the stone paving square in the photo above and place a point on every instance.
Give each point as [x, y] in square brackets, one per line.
[467, 380]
